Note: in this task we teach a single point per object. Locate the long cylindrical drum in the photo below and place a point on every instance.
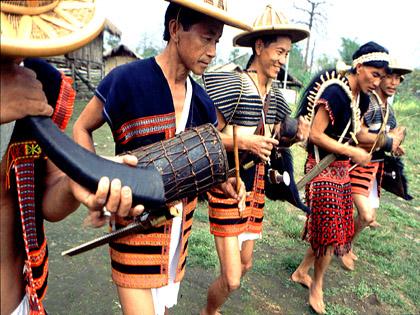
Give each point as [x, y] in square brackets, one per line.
[190, 163]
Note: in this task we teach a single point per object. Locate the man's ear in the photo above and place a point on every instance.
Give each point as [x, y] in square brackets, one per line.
[259, 45]
[174, 28]
[358, 68]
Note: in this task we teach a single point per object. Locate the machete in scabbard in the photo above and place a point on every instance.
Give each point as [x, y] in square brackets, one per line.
[87, 168]
[145, 222]
[316, 170]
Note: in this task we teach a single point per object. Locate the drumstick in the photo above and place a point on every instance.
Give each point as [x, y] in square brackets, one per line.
[236, 154]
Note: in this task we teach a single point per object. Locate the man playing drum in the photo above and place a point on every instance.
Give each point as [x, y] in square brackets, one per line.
[386, 137]
[32, 187]
[144, 102]
[252, 101]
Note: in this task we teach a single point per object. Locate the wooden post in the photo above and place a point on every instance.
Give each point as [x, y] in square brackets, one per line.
[73, 74]
[88, 70]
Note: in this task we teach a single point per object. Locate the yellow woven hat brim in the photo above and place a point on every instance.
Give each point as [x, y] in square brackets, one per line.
[77, 33]
[295, 32]
[214, 12]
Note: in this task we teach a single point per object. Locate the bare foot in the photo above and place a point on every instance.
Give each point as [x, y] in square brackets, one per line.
[374, 225]
[316, 300]
[303, 279]
[204, 312]
[353, 255]
[347, 262]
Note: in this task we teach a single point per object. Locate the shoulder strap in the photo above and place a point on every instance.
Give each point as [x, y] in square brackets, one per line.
[260, 126]
[237, 103]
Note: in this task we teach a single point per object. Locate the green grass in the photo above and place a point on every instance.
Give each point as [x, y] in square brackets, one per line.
[337, 309]
[104, 143]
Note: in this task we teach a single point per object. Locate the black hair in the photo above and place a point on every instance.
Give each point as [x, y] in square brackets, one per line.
[367, 48]
[186, 17]
[267, 40]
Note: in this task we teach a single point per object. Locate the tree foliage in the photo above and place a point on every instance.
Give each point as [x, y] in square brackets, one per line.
[111, 41]
[348, 47]
[150, 51]
[410, 88]
[234, 54]
[326, 62]
[147, 48]
[297, 67]
[346, 50]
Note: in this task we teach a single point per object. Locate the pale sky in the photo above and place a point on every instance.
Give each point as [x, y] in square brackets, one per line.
[393, 24]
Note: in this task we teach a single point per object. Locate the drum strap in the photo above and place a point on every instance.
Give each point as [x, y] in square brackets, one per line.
[177, 222]
[186, 108]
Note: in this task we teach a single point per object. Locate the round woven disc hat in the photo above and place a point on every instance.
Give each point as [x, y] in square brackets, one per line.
[398, 68]
[216, 9]
[271, 22]
[41, 28]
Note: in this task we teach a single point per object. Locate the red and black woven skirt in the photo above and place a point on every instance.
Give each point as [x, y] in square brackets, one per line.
[330, 198]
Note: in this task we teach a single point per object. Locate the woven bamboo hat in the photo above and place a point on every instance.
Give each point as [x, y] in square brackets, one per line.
[216, 9]
[47, 27]
[271, 22]
[398, 68]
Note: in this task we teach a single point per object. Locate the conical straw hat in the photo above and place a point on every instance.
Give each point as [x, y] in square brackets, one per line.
[216, 9]
[271, 22]
[398, 68]
[47, 27]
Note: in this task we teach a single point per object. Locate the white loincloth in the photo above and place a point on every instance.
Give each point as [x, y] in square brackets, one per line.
[373, 196]
[167, 296]
[23, 307]
[247, 236]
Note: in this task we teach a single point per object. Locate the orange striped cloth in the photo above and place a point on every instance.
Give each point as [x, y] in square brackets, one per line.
[224, 216]
[141, 260]
[362, 178]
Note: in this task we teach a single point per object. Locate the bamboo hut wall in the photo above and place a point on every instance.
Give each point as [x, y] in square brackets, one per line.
[92, 52]
[114, 61]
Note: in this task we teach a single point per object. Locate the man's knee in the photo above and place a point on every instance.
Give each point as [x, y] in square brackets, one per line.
[232, 283]
[367, 217]
[366, 213]
[246, 267]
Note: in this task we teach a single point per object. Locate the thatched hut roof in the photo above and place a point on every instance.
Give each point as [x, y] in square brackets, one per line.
[120, 50]
[112, 29]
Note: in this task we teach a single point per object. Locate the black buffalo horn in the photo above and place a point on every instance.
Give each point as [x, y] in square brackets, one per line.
[87, 168]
